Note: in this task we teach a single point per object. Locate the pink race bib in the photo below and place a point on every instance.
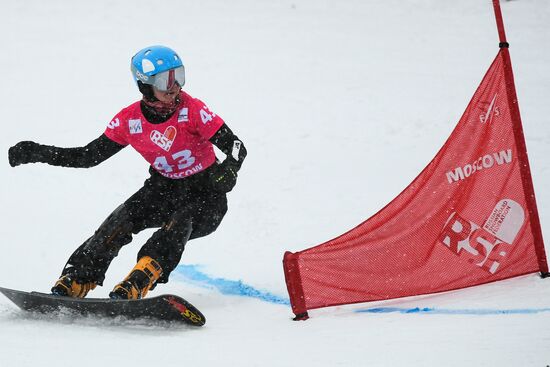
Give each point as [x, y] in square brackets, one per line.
[176, 148]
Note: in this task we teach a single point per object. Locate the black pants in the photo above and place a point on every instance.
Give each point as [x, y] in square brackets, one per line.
[183, 209]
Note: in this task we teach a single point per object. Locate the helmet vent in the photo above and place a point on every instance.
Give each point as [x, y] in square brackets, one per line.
[147, 65]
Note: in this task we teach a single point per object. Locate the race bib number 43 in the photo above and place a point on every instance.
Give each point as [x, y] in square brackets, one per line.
[183, 160]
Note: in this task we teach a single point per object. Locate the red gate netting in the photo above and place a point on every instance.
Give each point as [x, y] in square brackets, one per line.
[469, 218]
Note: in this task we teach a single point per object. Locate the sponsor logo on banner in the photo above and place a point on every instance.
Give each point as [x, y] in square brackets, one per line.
[164, 140]
[183, 115]
[482, 163]
[135, 126]
[491, 112]
[113, 124]
[485, 245]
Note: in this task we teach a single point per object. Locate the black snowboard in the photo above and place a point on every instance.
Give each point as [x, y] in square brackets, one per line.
[166, 307]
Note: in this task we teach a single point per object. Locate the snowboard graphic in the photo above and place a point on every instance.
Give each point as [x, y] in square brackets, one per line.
[165, 308]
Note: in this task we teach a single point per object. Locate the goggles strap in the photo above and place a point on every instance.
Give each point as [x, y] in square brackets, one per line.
[171, 79]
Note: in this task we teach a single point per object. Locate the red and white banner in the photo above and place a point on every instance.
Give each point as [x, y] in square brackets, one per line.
[469, 218]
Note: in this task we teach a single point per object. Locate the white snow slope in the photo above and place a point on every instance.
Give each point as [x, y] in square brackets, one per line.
[340, 104]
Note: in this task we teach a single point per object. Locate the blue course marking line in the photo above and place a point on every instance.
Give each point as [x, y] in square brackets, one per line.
[443, 311]
[192, 274]
[226, 286]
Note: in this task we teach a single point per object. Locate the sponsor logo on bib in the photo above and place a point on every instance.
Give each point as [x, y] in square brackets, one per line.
[135, 126]
[183, 116]
[164, 140]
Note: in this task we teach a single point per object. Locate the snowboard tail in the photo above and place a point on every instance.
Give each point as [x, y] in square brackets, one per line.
[166, 307]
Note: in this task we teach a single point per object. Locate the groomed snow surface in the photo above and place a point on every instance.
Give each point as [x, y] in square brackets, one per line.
[340, 104]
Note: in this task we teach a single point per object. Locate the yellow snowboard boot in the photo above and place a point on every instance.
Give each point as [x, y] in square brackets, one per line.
[140, 280]
[69, 287]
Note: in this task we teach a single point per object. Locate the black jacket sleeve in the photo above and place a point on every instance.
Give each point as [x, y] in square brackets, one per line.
[90, 155]
[230, 145]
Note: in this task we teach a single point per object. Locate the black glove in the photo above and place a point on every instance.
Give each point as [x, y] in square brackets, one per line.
[24, 152]
[224, 176]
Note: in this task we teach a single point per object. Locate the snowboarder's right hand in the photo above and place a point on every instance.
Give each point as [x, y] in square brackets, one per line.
[24, 152]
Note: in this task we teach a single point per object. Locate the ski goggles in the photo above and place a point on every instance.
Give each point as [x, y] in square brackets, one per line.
[165, 80]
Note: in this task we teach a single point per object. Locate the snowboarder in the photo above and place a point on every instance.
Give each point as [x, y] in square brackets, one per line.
[185, 195]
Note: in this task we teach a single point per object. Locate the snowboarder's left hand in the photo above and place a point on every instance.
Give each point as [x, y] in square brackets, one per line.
[24, 152]
[224, 176]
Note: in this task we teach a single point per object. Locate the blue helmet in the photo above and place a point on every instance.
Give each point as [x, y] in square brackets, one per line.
[158, 66]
